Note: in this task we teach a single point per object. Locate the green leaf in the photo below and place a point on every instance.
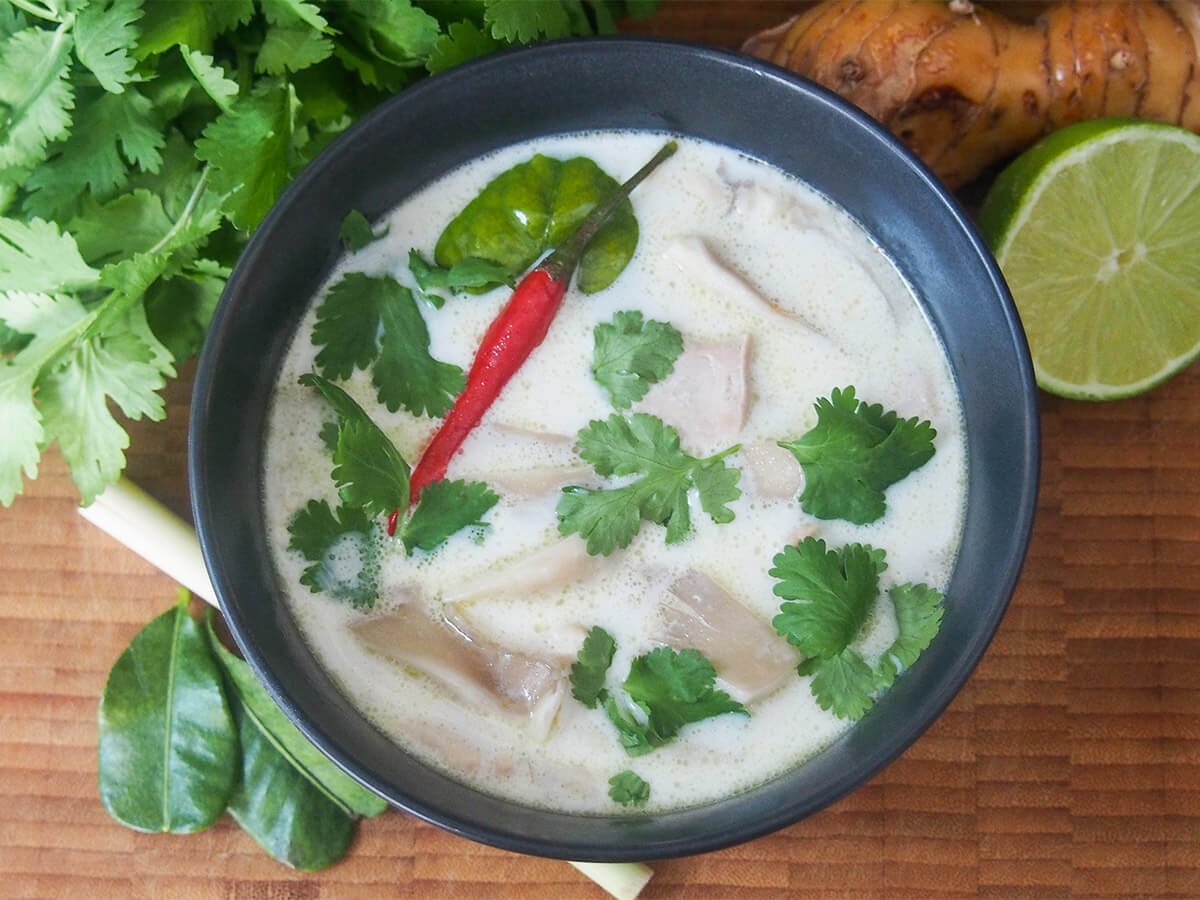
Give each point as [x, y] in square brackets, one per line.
[287, 738]
[343, 404]
[35, 94]
[672, 689]
[292, 819]
[45, 319]
[462, 41]
[287, 49]
[534, 207]
[446, 507]
[167, 748]
[642, 445]
[628, 789]
[341, 548]
[520, 21]
[129, 223]
[842, 684]
[211, 75]
[591, 666]
[369, 471]
[74, 396]
[356, 231]
[36, 257]
[291, 12]
[104, 36]
[110, 129]
[179, 309]
[192, 23]
[919, 609]
[248, 151]
[396, 32]
[853, 454]
[367, 320]
[630, 355]
[468, 274]
[830, 594]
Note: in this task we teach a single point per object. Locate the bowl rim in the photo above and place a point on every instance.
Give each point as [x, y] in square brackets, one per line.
[770, 818]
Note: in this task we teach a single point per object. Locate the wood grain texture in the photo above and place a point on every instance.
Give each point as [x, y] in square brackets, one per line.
[1068, 766]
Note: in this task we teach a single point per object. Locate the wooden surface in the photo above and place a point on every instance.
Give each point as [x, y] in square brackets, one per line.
[1069, 764]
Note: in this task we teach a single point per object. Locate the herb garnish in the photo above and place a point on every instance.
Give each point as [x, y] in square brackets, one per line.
[632, 354]
[356, 231]
[854, 452]
[468, 274]
[643, 445]
[629, 789]
[374, 321]
[829, 597]
[372, 478]
[591, 665]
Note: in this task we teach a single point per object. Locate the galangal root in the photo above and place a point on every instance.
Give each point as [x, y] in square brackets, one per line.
[966, 87]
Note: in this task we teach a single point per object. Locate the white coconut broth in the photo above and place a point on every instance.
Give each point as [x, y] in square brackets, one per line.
[841, 316]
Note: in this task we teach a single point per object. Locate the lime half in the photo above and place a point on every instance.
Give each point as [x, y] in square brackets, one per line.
[1097, 231]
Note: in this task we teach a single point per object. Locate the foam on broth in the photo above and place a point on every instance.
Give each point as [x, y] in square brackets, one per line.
[792, 246]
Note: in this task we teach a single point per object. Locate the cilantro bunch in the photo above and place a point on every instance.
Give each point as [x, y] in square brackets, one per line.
[829, 596]
[141, 141]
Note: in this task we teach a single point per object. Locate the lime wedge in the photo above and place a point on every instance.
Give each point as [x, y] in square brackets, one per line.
[1097, 231]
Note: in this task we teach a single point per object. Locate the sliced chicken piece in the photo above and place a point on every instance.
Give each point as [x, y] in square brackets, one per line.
[550, 568]
[695, 259]
[519, 462]
[707, 393]
[476, 670]
[774, 472]
[698, 614]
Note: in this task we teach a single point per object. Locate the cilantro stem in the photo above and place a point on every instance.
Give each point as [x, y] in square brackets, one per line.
[184, 216]
[41, 12]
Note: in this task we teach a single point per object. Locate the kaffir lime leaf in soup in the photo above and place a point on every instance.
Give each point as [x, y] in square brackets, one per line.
[1097, 231]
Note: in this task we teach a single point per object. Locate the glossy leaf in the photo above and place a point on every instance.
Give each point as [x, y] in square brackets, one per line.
[275, 803]
[289, 741]
[168, 751]
[532, 208]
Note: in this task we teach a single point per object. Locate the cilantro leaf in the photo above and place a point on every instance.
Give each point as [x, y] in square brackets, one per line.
[468, 274]
[609, 518]
[462, 41]
[211, 76]
[341, 548]
[35, 256]
[356, 231]
[290, 49]
[519, 21]
[628, 789]
[248, 151]
[841, 684]
[104, 35]
[111, 128]
[292, 12]
[444, 508]
[35, 94]
[829, 594]
[671, 689]
[367, 320]
[368, 470]
[853, 454]
[396, 32]
[591, 665]
[630, 355]
[919, 610]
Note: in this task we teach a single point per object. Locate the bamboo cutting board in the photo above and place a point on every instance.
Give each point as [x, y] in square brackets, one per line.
[1068, 765]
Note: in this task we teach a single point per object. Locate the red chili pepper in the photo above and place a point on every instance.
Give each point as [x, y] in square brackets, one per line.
[514, 334]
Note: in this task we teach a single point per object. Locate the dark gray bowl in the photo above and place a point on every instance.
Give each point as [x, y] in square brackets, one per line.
[633, 84]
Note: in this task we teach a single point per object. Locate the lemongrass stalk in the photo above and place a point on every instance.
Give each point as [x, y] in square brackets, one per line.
[623, 880]
[125, 512]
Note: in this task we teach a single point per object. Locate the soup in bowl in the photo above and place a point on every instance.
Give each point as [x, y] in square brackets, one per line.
[735, 531]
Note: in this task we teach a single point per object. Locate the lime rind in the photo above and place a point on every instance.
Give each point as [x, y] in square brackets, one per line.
[1106, 271]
